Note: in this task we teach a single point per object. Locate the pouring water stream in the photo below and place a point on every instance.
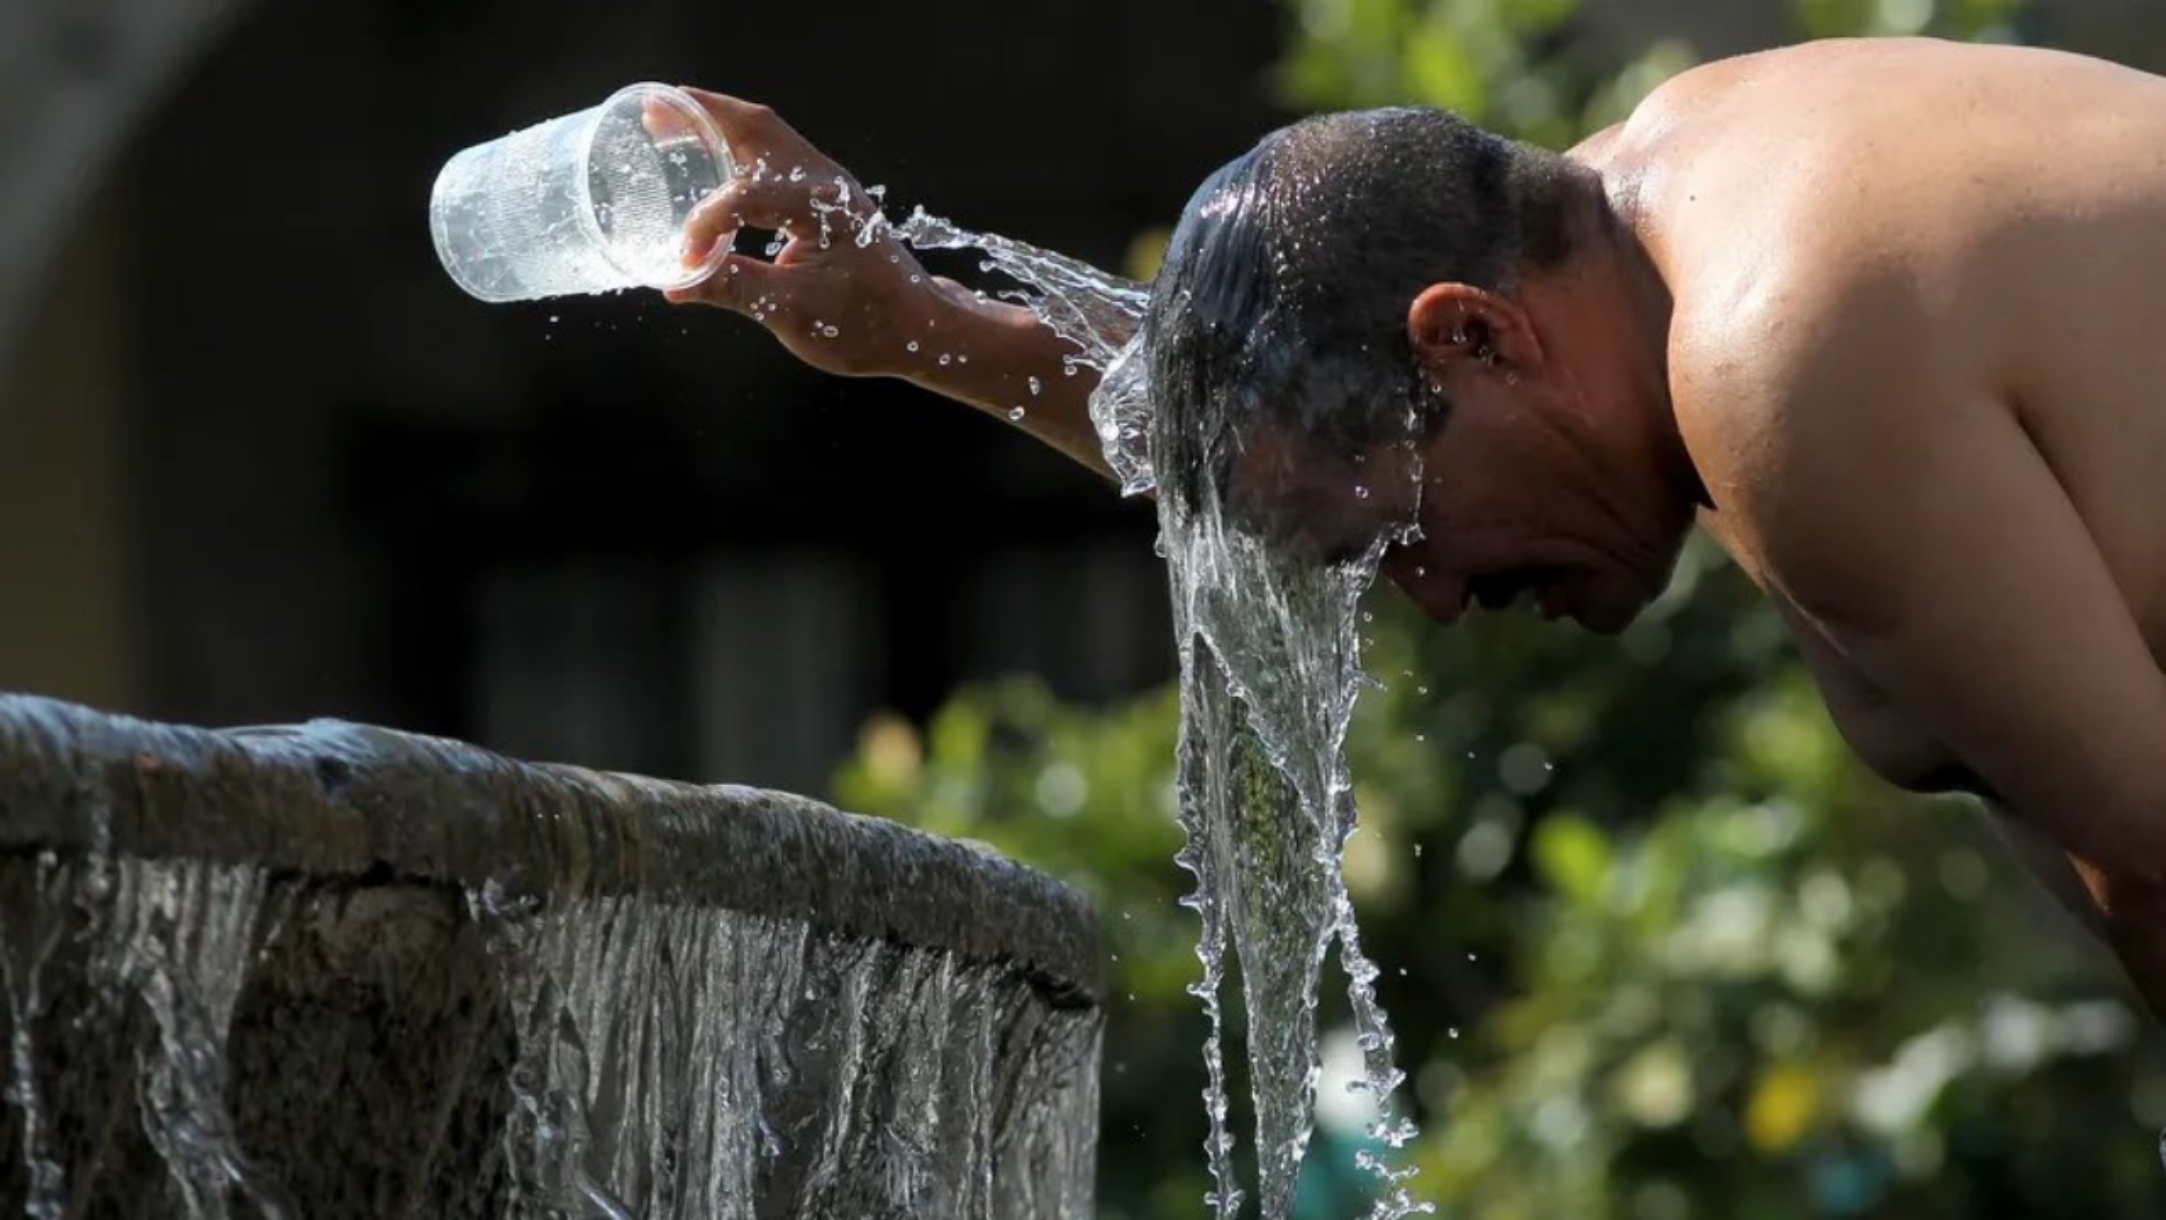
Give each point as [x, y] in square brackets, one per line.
[1270, 668]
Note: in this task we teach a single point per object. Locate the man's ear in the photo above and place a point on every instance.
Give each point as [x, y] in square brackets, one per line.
[1451, 324]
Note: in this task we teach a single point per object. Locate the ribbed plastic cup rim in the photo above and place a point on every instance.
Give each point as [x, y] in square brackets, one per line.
[717, 151]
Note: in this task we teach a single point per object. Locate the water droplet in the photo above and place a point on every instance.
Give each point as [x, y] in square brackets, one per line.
[912, 345]
[1036, 386]
[945, 358]
[830, 331]
[1016, 413]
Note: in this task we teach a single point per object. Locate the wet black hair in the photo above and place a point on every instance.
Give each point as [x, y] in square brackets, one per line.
[1285, 289]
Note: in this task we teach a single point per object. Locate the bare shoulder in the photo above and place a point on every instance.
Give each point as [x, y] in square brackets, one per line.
[1805, 383]
[1857, 292]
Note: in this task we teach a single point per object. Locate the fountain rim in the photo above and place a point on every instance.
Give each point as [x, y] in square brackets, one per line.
[339, 800]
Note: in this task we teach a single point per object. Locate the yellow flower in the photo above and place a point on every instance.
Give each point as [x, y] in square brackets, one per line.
[1782, 1107]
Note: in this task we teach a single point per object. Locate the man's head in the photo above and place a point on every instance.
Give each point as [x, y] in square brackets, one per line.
[1365, 293]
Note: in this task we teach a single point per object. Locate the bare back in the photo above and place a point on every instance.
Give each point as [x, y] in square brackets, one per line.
[2016, 197]
[1919, 354]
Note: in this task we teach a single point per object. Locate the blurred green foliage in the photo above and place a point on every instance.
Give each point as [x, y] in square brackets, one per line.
[1654, 946]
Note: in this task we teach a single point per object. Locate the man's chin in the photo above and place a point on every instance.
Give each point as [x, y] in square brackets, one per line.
[1610, 624]
[1609, 615]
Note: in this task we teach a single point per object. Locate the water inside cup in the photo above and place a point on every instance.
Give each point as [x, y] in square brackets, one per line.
[591, 202]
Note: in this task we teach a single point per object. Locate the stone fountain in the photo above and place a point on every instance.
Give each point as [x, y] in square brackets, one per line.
[339, 971]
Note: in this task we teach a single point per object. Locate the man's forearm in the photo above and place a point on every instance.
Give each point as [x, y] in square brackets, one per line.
[999, 357]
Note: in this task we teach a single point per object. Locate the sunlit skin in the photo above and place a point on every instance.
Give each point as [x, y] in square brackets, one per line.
[1558, 473]
[1879, 317]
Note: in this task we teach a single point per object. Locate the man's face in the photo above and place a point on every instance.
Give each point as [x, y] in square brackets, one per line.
[1504, 511]
[1491, 538]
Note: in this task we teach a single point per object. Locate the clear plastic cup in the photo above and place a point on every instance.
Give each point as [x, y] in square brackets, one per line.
[591, 202]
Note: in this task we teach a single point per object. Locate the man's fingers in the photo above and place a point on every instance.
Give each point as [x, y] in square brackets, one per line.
[793, 204]
[714, 219]
[666, 123]
[741, 284]
[753, 131]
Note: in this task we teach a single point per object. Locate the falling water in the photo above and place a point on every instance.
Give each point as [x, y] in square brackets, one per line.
[687, 1063]
[1270, 668]
[30, 897]
[181, 935]
[660, 1059]
[168, 939]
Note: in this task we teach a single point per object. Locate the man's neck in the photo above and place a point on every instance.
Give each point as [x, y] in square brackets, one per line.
[1620, 271]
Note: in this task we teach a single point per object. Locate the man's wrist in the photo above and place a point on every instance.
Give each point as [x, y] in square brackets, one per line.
[979, 337]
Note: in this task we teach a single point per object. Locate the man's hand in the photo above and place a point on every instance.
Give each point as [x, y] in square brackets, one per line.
[843, 294]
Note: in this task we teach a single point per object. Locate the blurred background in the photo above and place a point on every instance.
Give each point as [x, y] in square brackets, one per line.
[1654, 946]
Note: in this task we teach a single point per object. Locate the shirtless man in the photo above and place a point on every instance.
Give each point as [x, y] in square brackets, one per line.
[1884, 318]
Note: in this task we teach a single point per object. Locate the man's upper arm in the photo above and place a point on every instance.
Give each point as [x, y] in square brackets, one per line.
[1920, 530]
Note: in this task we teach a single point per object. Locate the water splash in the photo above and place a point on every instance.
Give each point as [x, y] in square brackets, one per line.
[1091, 309]
[1095, 311]
[1270, 669]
